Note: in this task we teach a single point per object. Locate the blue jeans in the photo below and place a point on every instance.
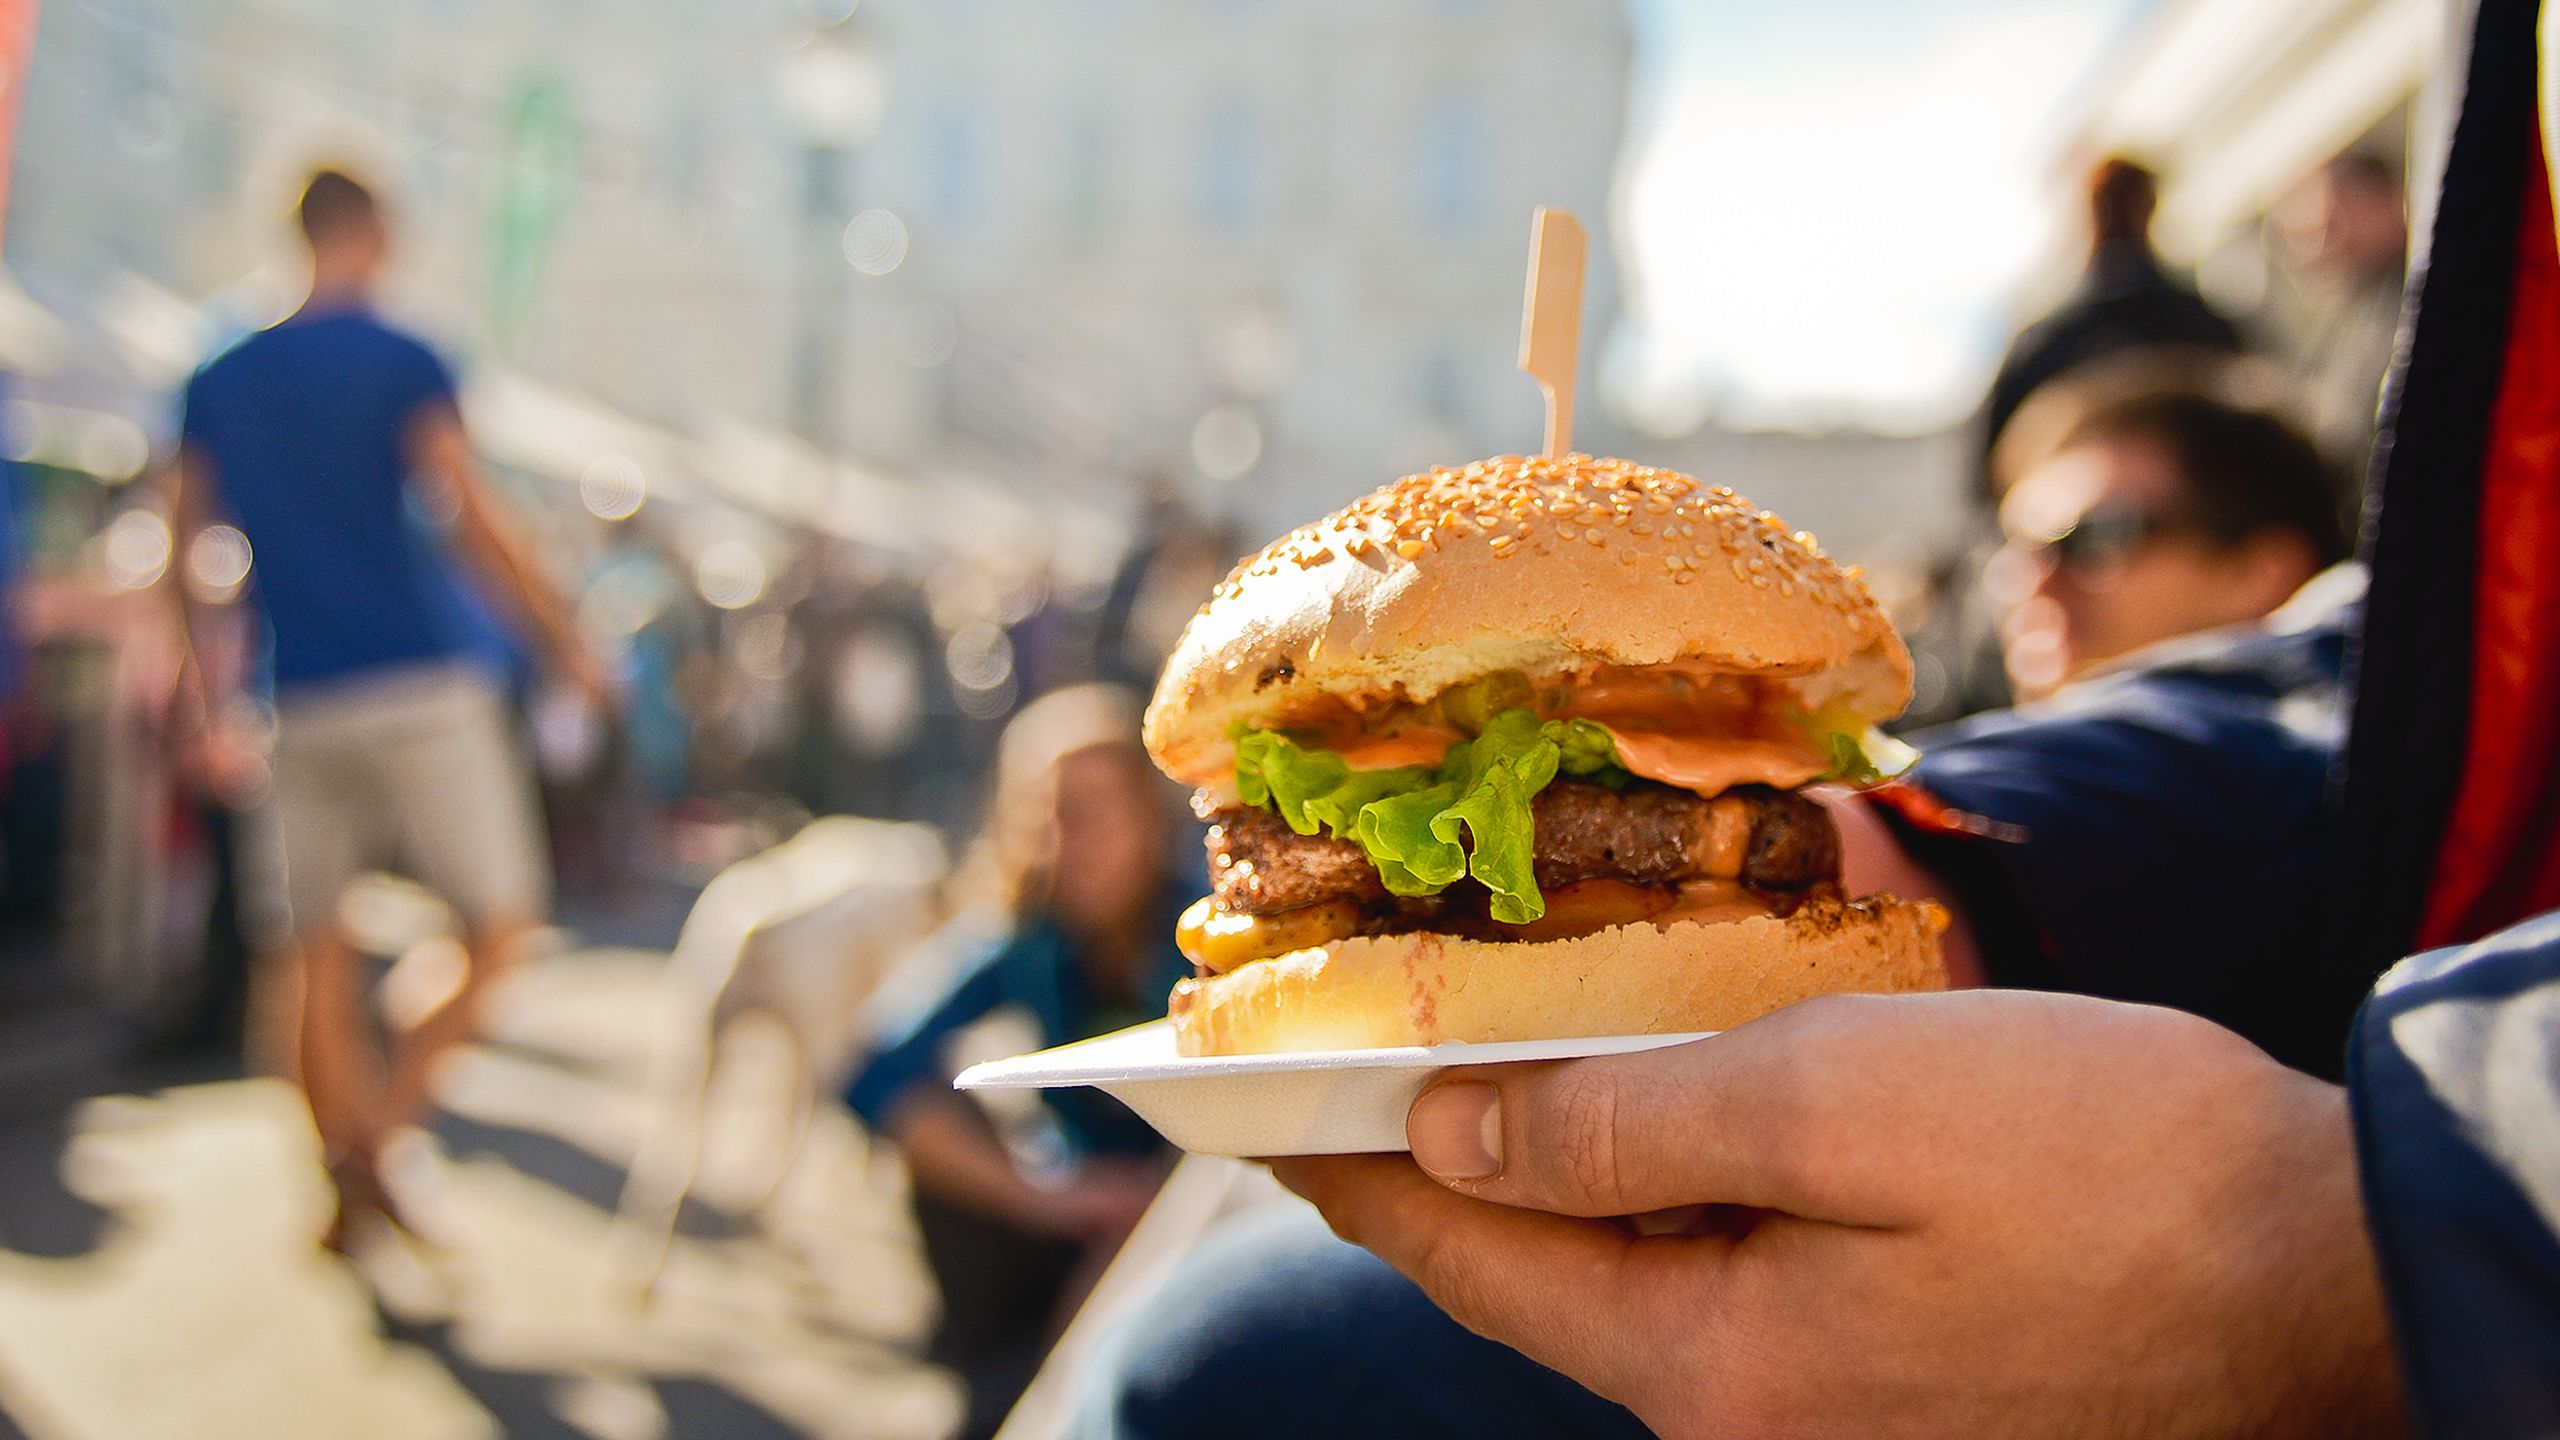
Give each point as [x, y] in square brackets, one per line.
[1273, 1328]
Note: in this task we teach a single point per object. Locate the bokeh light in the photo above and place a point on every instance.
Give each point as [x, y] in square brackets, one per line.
[218, 561]
[879, 689]
[875, 242]
[613, 487]
[1226, 442]
[730, 574]
[137, 548]
[980, 659]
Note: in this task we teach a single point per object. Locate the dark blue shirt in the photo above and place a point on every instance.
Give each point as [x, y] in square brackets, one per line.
[2168, 834]
[304, 427]
[1036, 972]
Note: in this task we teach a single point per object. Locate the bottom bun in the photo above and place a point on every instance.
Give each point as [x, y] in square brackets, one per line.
[1639, 979]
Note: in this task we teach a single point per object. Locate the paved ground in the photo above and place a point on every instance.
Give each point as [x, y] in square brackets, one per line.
[158, 1276]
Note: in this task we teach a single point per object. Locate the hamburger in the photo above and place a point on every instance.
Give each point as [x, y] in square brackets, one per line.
[1520, 750]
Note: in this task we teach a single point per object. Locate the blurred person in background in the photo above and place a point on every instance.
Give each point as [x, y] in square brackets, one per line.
[2126, 300]
[1075, 928]
[392, 745]
[2126, 304]
[2156, 516]
[2344, 237]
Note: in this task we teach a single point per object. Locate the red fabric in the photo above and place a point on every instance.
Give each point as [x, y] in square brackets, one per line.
[17, 41]
[2500, 860]
[1932, 816]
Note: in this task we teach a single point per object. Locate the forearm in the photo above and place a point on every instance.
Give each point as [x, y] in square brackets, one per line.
[525, 589]
[489, 544]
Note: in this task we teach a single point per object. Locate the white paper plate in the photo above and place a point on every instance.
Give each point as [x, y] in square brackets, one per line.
[1312, 1102]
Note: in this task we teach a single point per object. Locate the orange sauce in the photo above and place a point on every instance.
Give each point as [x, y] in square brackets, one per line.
[1409, 744]
[1713, 766]
[1699, 731]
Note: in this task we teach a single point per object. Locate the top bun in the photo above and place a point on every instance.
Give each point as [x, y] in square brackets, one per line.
[1516, 563]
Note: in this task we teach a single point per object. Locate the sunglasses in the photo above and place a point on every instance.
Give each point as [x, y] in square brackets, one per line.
[2107, 535]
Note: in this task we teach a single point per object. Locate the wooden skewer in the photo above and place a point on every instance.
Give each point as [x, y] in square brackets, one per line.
[1551, 317]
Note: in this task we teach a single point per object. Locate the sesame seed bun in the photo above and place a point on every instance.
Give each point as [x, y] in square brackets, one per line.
[1638, 979]
[1541, 565]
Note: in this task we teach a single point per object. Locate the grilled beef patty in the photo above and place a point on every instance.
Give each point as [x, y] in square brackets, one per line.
[1773, 841]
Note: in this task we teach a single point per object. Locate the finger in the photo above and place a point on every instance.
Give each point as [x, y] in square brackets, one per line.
[1567, 1293]
[1770, 1115]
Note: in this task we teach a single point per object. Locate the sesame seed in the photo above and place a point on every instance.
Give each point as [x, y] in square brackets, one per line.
[1409, 549]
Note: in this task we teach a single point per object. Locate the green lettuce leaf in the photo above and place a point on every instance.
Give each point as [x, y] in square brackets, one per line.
[1849, 762]
[1399, 834]
[1587, 752]
[1497, 773]
[1860, 754]
[1310, 788]
[1426, 827]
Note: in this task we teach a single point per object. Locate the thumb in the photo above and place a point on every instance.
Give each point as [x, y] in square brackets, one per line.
[1751, 1117]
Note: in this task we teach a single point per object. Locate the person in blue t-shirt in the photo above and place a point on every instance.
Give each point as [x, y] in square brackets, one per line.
[317, 441]
[1084, 897]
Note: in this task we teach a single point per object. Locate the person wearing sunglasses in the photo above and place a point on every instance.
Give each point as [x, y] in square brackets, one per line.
[2159, 515]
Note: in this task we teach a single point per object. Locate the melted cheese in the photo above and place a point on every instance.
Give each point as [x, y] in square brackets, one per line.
[1707, 901]
[1713, 766]
[1219, 940]
[1590, 905]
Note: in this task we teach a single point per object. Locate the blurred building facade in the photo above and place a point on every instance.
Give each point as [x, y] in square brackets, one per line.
[1271, 251]
[1277, 248]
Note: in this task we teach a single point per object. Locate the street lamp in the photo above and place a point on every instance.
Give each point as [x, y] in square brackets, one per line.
[833, 90]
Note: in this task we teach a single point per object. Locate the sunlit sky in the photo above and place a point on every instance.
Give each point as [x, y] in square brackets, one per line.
[1830, 206]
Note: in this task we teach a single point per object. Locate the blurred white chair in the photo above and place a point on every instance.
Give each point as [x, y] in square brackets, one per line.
[797, 937]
